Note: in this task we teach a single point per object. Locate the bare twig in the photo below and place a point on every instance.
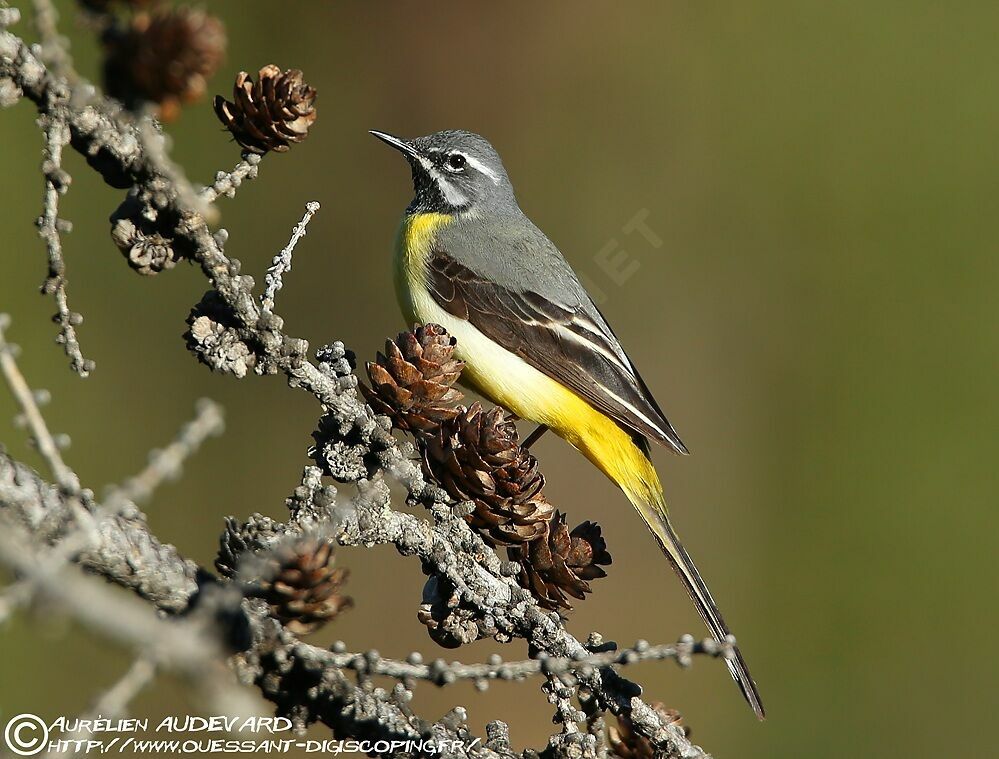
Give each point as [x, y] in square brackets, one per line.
[40, 434]
[51, 561]
[166, 464]
[113, 703]
[441, 672]
[154, 145]
[273, 280]
[595, 723]
[570, 740]
[57, 181]
[54, 46]
[226, 183]
[14, 595]
[116, 544]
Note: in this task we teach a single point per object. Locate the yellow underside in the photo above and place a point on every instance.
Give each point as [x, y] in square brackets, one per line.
[508, 380]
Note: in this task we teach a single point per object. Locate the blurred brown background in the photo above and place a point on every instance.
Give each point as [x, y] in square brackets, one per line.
[819, 323]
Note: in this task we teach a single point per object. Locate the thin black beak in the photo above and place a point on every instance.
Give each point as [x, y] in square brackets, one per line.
[401, 145]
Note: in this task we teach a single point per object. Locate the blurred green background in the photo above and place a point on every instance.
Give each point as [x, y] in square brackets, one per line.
[819, 324]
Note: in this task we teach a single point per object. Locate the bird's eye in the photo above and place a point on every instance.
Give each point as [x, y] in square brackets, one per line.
[456, 161]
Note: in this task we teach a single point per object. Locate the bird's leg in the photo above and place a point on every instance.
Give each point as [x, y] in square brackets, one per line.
[535, 436]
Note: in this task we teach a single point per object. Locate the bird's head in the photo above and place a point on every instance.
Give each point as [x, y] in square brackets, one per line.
[454, 172]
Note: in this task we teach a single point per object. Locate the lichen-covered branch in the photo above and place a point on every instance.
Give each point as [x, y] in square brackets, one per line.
[227, 182]
[441, 672]
[182, 646]
[470, 594]
[126, 553]
[49, 227]
[274, 279]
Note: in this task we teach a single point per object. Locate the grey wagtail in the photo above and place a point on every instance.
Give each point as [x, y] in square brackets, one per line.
[532, 340]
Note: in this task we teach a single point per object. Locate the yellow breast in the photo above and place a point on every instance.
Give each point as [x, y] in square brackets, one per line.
[413, 244]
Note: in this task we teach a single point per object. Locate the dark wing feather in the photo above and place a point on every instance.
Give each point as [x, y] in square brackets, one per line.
[562, 342]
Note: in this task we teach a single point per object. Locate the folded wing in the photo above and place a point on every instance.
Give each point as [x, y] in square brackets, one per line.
[562, 341]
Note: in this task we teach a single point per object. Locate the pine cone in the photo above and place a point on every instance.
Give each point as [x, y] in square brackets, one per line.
[562, 563]
[165, 57]
[412, 383]
[302, 588]
[628, 744]
[477, 457]
[239, 539]
[148, 253]
[271, 113]
[214, 336]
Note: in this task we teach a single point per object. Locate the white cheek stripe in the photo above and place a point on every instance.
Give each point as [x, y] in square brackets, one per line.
[451, 194]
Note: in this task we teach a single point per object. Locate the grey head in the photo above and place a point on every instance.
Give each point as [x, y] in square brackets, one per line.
[453, 172]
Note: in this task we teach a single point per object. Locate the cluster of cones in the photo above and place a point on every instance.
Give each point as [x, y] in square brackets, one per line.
[163, 56]
[476, 455]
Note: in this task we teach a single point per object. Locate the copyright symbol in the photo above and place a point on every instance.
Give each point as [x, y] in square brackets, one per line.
[26, 734]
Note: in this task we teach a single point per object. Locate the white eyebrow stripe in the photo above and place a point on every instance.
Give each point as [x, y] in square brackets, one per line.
[475, 163]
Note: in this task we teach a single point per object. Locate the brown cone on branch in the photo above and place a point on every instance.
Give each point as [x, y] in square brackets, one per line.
[411, 383]
[477, 456]
[272, 113]
[561, 563]
[301, 585]
[626, 743]
[164, 57]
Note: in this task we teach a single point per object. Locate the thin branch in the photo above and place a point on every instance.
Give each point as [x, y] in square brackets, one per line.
[51, 561]
[54, 46]
[273, 280]
[125, 551]
[114, 543]
[226, 183]
[155, 143]
[595, 723]
[166, 464]
[560, 695]
[64, 476]
[14, 595]
[57, 182]
[440, 672]
[113, 703]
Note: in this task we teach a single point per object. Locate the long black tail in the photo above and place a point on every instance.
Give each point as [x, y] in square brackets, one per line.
[656, 518]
